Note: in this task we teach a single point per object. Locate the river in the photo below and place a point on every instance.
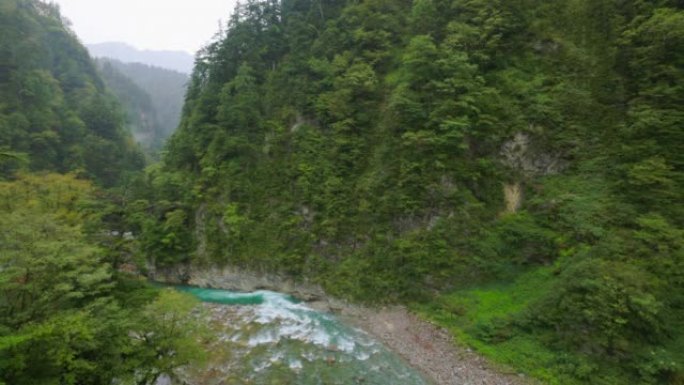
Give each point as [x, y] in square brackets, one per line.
[270, 338]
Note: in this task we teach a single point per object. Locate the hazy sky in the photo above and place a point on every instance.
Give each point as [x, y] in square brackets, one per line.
[147, 24]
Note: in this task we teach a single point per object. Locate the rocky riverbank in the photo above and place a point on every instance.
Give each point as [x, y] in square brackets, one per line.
[427, 347]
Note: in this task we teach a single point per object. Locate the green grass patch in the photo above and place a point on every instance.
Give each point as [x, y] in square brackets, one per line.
[482, 318]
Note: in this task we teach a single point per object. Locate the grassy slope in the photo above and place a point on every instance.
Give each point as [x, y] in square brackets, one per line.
[477, 317]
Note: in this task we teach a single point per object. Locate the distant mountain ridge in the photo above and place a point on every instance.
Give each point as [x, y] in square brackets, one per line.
[175, 60]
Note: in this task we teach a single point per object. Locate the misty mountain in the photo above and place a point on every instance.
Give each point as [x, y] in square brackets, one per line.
[152, 96]
[141, 116]
[175, 60]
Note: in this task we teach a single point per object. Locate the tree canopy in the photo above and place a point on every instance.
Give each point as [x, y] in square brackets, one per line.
[68, 313]
[401, 151]
[53, 105]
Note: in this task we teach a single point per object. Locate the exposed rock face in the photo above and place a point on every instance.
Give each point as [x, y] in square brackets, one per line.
[519, 154]
[527, 161]
[234, 278]
[513, 196]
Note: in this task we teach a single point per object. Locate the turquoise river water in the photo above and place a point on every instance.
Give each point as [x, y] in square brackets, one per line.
[271, 338]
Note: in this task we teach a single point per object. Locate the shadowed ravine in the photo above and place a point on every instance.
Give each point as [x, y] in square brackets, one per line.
[271, 338]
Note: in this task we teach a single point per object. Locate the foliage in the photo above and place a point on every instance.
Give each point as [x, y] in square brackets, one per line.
[53, 106]
[364, 146]
[65, 315]
[370, 147]
[68, 315]
[167, 333]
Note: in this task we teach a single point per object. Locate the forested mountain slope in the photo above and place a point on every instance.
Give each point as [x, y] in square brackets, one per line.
[397, 150]
[68, 314]
[141, 116]
[151, 96]
[52, 103]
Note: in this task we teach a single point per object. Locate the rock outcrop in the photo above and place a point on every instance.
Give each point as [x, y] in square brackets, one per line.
[235, 278]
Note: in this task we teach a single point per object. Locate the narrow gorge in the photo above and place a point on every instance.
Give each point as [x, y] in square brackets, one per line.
[342, 192]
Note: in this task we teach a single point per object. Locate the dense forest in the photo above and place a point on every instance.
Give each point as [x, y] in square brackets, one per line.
[69, 314]
[510, 169]
[152, 98]
[52, 104]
